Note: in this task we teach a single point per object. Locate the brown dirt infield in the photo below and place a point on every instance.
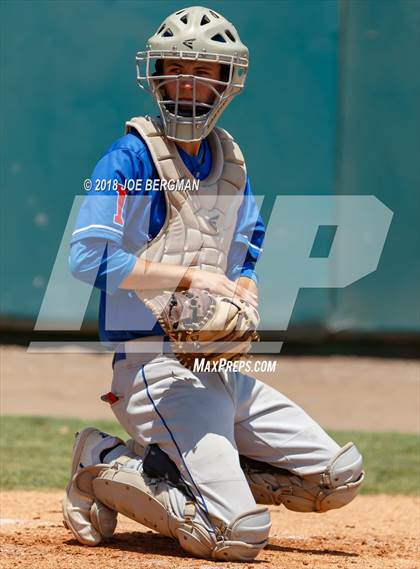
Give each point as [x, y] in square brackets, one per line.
[377, 532]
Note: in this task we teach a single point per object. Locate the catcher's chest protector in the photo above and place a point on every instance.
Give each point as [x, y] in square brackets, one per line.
[199, 223]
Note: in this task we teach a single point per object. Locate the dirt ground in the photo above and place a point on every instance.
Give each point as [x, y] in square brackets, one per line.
[363, 394]
[375, 532]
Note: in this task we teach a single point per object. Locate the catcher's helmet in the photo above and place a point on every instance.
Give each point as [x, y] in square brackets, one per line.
[193, 34]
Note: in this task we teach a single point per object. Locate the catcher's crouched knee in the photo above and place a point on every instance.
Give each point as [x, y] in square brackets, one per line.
[241, 540]
[333, 488]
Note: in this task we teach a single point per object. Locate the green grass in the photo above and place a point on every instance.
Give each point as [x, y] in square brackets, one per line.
[391, 461]
[35, 454]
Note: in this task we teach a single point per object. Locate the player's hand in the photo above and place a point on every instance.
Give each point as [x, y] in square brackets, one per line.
[248, 284]
[220, 284]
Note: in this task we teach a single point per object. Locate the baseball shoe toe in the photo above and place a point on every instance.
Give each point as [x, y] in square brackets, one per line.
[88, 520]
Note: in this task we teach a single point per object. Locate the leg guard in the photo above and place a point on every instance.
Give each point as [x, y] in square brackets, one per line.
[333, 488]
[155, 503]
[241, 540]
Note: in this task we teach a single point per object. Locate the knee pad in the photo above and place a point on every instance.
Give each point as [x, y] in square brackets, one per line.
[241, 540]
[245, 536]
[334, 487]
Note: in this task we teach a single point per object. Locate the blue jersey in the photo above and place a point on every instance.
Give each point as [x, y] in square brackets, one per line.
[117, 219]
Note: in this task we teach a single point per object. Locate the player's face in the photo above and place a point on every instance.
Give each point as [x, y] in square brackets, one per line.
[204, 93]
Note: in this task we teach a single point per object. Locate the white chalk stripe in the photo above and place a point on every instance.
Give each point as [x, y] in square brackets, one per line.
[36, 523]
[10, 521]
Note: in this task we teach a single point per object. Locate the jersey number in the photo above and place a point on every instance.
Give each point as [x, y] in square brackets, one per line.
[122, 196]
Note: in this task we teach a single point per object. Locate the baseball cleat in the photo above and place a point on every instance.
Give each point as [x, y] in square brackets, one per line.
[88, 520]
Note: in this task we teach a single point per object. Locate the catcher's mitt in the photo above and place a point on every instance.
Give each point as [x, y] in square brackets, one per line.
[200, 324]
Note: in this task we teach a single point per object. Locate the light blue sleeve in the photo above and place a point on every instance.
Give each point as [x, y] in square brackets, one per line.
[100, 263]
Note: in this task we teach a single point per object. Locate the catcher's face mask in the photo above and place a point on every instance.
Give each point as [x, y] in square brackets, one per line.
[179, 70]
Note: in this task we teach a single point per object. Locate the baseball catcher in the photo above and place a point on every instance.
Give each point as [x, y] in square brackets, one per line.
[172, 240]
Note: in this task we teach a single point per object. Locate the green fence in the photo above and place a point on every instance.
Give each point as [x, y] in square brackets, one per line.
[330, 107]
